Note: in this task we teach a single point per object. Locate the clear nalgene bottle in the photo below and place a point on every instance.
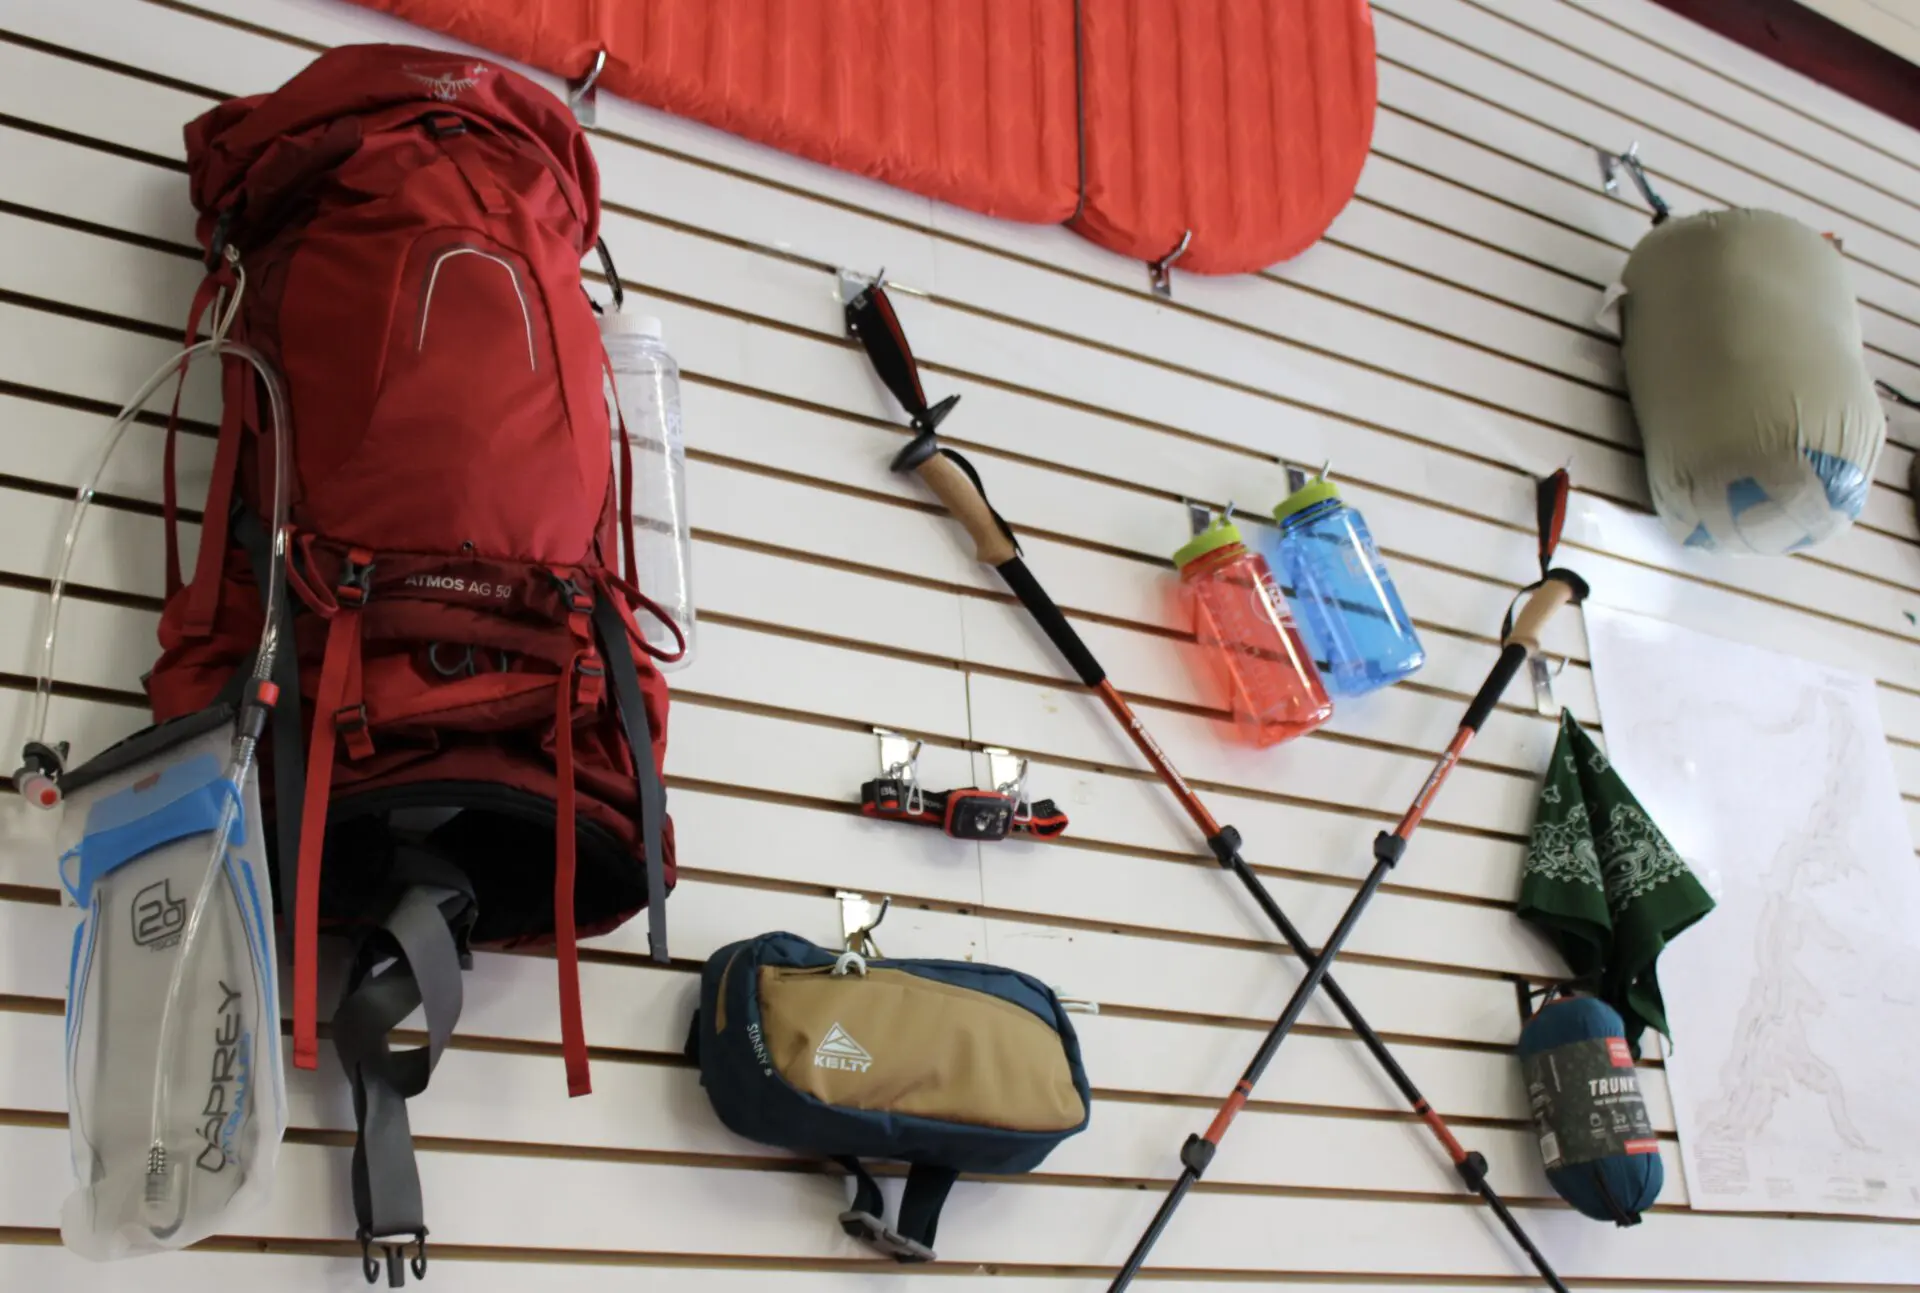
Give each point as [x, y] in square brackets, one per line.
[1241, 622]
[648, 383]
[1349, 611]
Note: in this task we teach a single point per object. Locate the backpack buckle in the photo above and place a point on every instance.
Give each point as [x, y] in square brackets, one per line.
[579, 600]
[877, 1235]
[217, 244]
[355, 585]
[394, 1249]
[443, 125]
[350, 725]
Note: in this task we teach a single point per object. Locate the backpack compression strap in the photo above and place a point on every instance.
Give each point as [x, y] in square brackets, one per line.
[625, 679]
[419, 949]
[920, 1204]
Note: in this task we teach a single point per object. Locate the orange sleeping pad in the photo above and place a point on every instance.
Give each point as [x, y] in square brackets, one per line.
[1243, 123]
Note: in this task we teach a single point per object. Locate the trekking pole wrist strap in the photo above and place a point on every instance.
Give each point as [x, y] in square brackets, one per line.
[967, 813]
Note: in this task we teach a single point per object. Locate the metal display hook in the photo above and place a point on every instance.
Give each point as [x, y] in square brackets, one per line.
[1297, 477]
[1159, 272]
[1611, 164]
[1200, 515]
[1008, 773]
[583, 94]
[900, 761]
[859, 917]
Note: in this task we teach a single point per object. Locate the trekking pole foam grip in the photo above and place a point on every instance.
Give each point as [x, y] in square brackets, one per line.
[1541, 607]
[944, 477]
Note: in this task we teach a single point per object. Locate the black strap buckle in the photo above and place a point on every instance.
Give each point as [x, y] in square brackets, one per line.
[579, 600]
[355, 585]
[350, 719]
[443, 125]
[217, 245]
[888, 795]
[877, 1235]
[395, 1250]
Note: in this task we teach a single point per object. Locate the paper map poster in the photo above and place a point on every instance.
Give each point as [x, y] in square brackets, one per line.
[1795, 1005]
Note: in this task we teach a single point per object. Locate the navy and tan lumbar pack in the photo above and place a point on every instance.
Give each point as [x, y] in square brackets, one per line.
[948, 1066]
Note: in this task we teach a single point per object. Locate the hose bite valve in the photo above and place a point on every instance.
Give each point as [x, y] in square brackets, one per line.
[38, 776]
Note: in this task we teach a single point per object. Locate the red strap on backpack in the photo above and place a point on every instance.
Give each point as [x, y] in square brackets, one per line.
[338, 697]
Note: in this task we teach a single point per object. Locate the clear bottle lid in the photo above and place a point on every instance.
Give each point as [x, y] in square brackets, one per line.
[618, 323]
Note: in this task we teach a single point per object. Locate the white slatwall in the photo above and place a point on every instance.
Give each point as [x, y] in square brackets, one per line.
[1436, 347]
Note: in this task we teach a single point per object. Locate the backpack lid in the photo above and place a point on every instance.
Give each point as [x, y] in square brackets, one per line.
[314, 122]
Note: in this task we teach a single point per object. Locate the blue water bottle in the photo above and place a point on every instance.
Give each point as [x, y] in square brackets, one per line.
[1349, 612]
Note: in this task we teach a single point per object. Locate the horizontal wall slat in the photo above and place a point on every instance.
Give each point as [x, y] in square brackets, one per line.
[639, 1008]
[523, 1098]
[581, 1204]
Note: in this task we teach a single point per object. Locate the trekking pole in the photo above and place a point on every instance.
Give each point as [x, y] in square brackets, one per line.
[1556, 590]
[871, 319]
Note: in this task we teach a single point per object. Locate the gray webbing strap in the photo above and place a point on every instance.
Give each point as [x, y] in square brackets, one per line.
[614, 649]
[412, 960]
[911, 1240]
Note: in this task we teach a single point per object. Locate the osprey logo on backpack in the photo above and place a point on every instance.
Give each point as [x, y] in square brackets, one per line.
[840, 1051]
[448, 86]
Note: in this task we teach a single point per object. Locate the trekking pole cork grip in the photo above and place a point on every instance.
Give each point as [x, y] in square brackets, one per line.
[944, 477]
[1557, 590]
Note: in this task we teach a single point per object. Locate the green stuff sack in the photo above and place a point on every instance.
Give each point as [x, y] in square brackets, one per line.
[1744, 363]
[946, 1065]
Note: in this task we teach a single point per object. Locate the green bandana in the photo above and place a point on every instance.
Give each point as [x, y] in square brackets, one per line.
[1603, 883]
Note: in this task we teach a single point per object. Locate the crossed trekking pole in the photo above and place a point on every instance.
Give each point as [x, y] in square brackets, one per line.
[871, 320]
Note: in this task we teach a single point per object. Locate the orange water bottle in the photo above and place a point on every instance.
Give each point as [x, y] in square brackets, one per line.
[1242, 624]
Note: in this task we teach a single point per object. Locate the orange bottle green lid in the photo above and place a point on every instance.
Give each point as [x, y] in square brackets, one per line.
[1215, 537]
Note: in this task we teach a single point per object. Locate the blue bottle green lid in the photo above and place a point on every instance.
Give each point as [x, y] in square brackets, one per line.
[1313, 492]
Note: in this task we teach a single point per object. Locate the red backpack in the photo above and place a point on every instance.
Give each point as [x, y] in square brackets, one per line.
[476, 756]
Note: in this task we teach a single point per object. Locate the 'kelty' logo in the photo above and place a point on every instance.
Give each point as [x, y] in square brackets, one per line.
[840, 1051]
